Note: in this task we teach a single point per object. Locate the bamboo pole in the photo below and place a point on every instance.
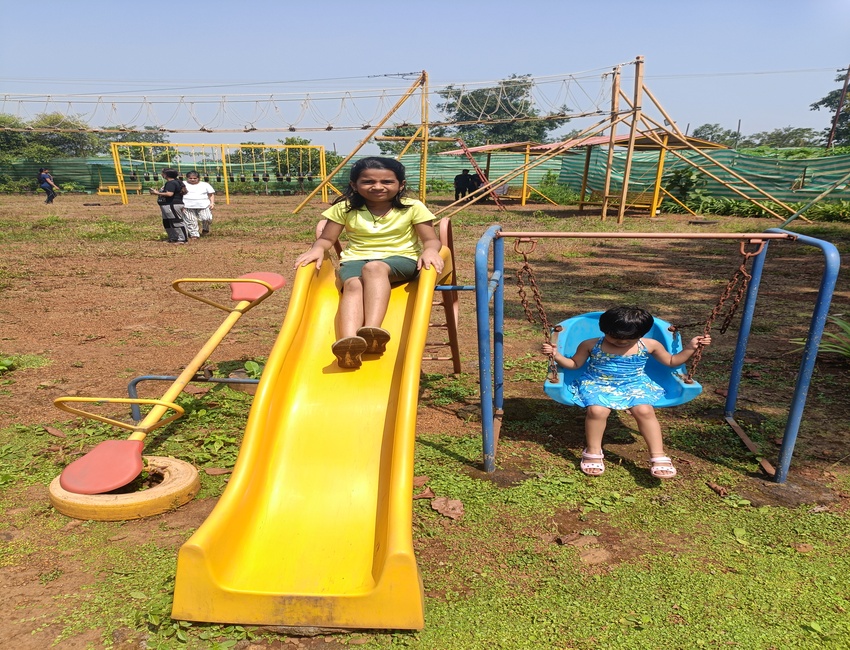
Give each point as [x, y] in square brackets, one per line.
[423, 158]
[636, 113]
[525, 173]
[728, 170]
[659, 174]
[119, 174]
[555, 151]
[408, 142]
[612, 136]
[654, 137]
[584, 176]
[363, 142]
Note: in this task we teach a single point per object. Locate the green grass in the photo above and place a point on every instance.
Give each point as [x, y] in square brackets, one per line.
[687, 568]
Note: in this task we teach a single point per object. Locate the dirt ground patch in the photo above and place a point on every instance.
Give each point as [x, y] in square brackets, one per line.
[86, 288]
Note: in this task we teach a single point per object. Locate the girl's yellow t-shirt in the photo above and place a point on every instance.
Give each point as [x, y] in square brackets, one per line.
[371, 238]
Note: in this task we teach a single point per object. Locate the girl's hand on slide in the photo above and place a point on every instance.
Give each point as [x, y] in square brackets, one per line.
[310, 256]
[429, 259]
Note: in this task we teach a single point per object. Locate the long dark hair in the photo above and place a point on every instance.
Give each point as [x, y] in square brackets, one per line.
[354, 201]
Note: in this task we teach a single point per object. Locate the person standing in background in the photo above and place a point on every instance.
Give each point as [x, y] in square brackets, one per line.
[198, 204]
[170, 201]
[463, 183]
[45, 182]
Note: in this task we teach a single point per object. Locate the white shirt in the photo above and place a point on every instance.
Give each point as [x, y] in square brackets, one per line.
[197, 196]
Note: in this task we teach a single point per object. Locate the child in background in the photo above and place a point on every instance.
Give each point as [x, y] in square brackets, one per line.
[390, 238]
[615, 379]
[198, 203]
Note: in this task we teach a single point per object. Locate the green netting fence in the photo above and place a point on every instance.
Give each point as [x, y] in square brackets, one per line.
[787, 180]
[791, 181]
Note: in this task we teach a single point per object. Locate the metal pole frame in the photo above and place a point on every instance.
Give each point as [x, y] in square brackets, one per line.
[489, 285]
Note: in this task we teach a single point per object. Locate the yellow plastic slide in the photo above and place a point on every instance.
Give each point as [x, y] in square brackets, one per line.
[314, 527]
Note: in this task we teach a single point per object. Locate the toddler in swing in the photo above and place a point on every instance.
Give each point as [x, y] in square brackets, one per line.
[614, 379]
[390, 239]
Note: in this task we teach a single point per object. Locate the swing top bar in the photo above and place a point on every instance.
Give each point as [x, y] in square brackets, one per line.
[651, 235]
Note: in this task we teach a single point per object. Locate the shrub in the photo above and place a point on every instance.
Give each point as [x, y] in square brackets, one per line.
[560, 194]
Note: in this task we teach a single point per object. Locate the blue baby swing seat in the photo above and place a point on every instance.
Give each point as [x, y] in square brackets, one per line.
[586, 326]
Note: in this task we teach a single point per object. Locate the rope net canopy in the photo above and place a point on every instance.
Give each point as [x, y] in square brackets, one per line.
[586, 93]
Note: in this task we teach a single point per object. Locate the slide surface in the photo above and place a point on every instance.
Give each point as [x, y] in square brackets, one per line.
[314, 527]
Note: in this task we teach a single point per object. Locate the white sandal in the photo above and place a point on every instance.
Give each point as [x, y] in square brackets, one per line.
[662, 467]
[591, 464]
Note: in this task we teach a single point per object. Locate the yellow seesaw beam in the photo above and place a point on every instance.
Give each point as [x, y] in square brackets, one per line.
[314, 527]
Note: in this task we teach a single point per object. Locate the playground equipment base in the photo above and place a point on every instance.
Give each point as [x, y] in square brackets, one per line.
[179, 485]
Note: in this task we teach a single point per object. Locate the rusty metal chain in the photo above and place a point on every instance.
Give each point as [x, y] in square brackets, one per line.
[526, 272]
[737, 284]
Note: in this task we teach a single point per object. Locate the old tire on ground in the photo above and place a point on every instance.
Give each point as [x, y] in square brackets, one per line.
[179, 485]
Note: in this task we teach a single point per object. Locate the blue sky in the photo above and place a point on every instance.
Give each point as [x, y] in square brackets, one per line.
[762, 62]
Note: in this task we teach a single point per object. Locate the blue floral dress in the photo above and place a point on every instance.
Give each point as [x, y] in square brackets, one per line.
[615, 381]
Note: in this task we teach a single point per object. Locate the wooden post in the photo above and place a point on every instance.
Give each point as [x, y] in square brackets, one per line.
[636, 109]
[615, 109]
[584, 178]
[659, 173]
[423, 158]
[525, 173]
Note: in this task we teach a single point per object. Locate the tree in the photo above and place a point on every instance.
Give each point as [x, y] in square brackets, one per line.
[12, 143]
[716, 133]
[785, 137]
[499, 114]
[830, 103]
[78, 143]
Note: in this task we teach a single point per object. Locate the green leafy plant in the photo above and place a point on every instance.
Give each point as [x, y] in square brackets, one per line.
[7, 364]
[686, 185]
[836, 342]
[560, 194]
[254, 369]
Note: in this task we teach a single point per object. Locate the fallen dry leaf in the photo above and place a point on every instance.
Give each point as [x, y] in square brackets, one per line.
[359, 641]
[451, 508]
[804, 548]
[217, 471]
[197, 390]
[419, 481]
[722, 392]
[427, 493]
[53, 431]
[722, 491]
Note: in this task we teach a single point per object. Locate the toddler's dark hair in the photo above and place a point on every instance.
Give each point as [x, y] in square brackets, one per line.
[354, 200]
[626, 322]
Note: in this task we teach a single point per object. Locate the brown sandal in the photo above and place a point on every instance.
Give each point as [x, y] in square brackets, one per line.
[348, 350]
[376, 339]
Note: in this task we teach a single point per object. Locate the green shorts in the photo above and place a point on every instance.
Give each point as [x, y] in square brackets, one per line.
[402, 269]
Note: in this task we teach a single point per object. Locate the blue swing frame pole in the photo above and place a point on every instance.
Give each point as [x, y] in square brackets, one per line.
[491, 364]
[490, 368]
[832, 263]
